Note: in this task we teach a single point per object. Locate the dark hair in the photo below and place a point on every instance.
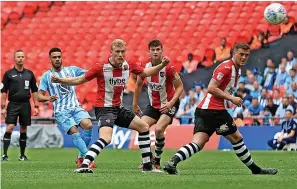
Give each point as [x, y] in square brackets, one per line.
[55, 49]
[155, 43]
[289, 111]
[17, 52]
[241, 45]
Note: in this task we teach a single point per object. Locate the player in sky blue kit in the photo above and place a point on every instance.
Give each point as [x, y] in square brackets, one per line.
[67, 109]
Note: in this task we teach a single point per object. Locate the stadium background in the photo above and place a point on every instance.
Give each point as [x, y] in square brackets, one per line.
[84, 30]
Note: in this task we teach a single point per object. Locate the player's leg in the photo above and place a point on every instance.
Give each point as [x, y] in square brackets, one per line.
[106, 119]
[66, 121]
[286, 141]
[6, 140]
[25, 120]
[161, 125]
[202, 132]
[242, 151]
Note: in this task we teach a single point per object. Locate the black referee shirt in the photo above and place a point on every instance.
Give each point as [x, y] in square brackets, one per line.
[19, 84]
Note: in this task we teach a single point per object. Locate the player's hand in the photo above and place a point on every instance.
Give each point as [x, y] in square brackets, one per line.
[165, 108]
[55, 79]
[53, 98]
[36, 111]
[137, 110]
[237, 101]
[165, 60]
[3, 112]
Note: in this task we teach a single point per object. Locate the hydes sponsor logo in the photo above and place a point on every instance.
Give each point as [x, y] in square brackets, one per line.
[117, 81]
[155, 87]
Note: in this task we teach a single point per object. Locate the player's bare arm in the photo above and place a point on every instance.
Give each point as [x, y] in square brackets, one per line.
[136, 95]
[155, 69]
[69, 81]
[213, 88]
[41, 97]
[179, 87]
[3, 104]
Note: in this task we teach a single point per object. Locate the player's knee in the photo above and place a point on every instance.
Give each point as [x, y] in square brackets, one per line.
[143, 127]
[86, 124]
[9, 128]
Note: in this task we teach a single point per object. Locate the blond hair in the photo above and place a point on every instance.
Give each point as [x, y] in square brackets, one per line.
[117, 43]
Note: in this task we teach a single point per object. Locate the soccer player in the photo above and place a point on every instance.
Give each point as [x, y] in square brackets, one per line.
[18, 81]
[164, 90]
[211, 115]
[112, 77]
[67, 109]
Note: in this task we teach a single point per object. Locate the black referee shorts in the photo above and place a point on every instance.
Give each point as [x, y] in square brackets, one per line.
[21, 110]
[110, 116]
[210, 121]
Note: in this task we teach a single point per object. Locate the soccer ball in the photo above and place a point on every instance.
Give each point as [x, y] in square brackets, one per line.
[275, 13]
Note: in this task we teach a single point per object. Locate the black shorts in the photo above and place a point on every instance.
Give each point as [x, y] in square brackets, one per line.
[156, 114]
[21, 110]
[210, 121]
[110, 116]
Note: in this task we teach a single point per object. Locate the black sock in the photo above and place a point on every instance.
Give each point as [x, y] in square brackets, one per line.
[93, 152]
[145, 149]
[23, 142]
[244, 155]
[160, 143]
[6, 141]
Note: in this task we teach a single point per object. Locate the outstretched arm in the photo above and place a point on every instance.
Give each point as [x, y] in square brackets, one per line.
[70, 80]
[136, 95]
[155, 69]
[41, 97]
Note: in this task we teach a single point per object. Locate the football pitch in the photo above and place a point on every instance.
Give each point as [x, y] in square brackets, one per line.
[53, 168]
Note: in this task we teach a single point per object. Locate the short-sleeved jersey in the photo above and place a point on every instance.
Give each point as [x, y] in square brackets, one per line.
[66, 94]
[226, 75]
[18, 84]
[161, 86]
[288, 126]
[111, 82]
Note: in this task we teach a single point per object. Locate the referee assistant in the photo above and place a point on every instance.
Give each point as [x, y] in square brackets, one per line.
[18, 81]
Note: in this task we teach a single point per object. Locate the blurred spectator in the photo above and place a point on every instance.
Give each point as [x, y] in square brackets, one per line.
[269, 64]
[256, 92]
[287, 26]
[250, 84]
[291, 59]
[239, 120]
[276, 97]
[284, 63]
[292, 103]
[244, 79]
[182, 101]
[240, 85]
[258, 76]
[270, 77]
[271, 106]
[222, 52]
[244, 95]
[281, 77]
[46, 112]
[291, 79]
[293, 89]
[267, 117]
[258, 41]
[246, 105]
[255, 109]
[199, 95]
[287, 135]
[262, 99]
[282, 108]
[190, 65]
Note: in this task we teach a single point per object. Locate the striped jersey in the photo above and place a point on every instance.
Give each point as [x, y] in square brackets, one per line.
[66, 94]
[161, 86]
[111, 82]
[226, 75]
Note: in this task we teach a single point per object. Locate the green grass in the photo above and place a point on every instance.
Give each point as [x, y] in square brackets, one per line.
[53, 169]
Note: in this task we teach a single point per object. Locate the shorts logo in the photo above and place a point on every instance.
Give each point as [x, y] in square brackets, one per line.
[162, 74]
[107, 121]
[27, 84]
[223, 128]
[220, 76]
[172, 110]
[125, 67]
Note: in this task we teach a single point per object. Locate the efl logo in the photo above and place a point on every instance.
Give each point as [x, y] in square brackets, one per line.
[220, 76]
[117, 81]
